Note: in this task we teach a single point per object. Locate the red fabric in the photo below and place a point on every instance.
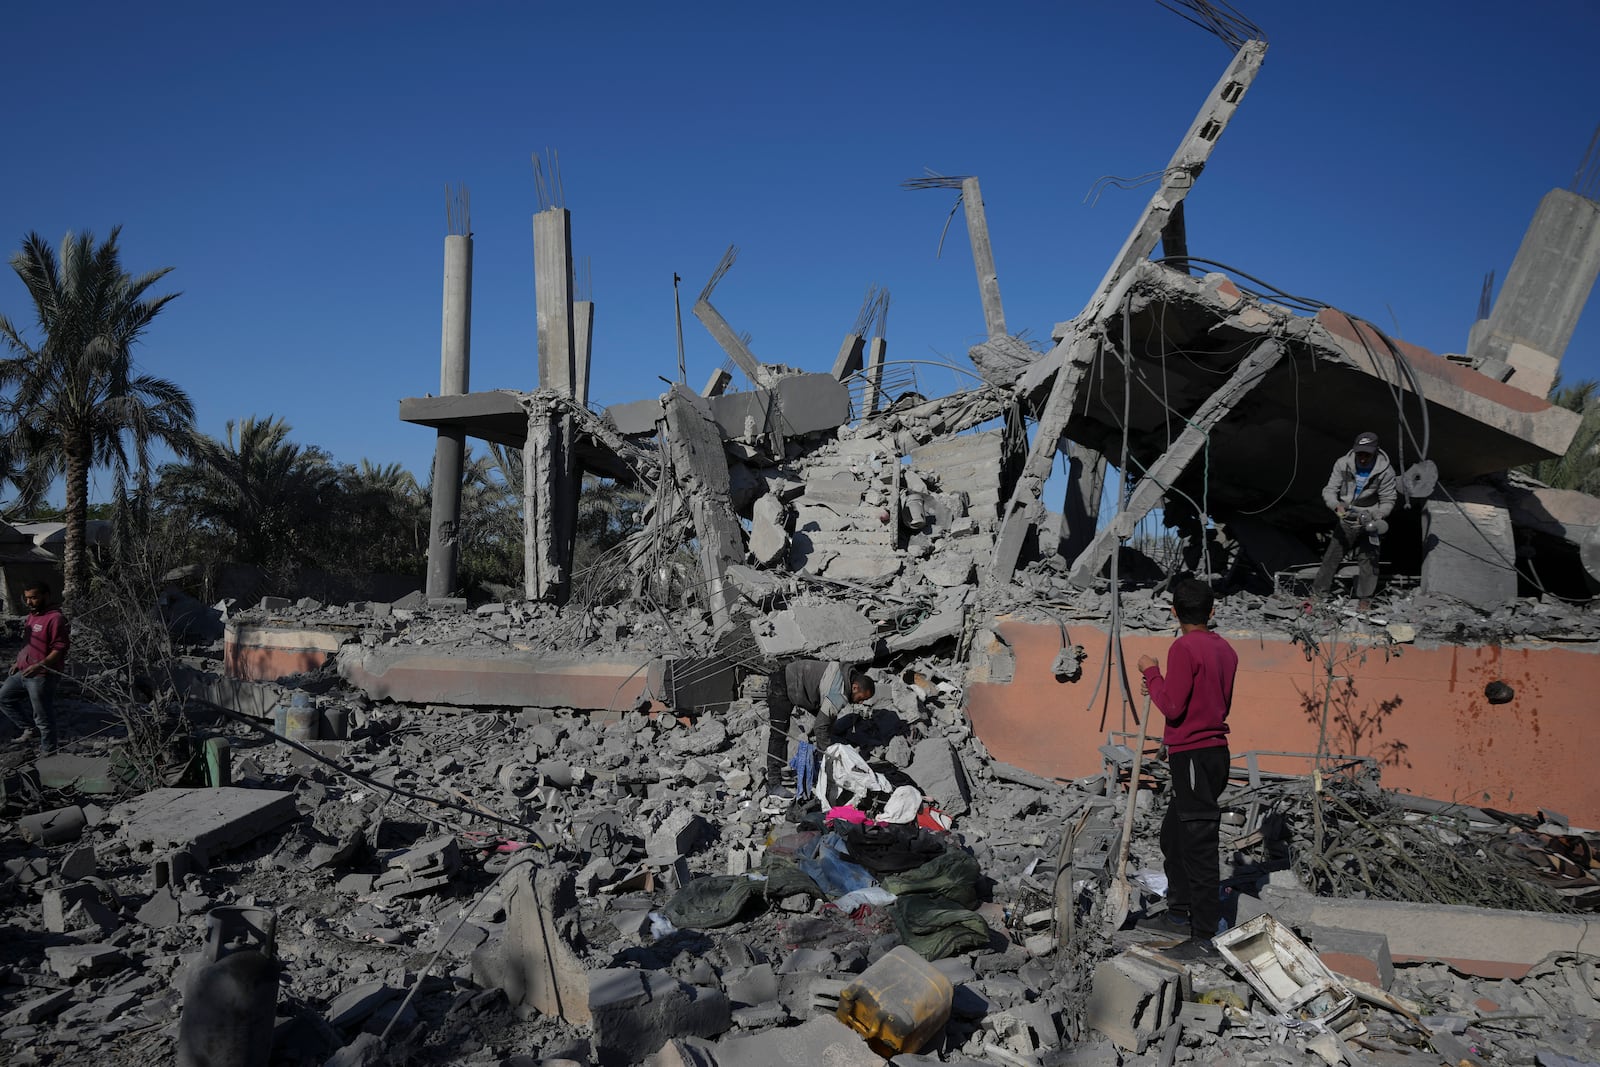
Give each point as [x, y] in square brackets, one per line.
[1197, 691]
[47, 632]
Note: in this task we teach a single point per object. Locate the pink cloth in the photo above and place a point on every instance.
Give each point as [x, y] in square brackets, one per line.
[849, 814]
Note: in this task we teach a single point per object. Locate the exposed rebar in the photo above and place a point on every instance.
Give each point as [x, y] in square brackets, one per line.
[722, 270]
[1218, 18]
[547, 181]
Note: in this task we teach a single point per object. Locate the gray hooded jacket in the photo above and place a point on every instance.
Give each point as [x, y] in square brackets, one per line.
[1377, 495]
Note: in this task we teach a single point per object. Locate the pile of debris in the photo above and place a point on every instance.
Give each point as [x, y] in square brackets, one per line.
[514, 887]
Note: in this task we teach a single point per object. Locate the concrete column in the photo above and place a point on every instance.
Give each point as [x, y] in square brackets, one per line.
[558, 371]
[700, 466]
[1546, 288]
[717, 383]
[1080, 510]
[1469, 550]
[994, 315]
[552, 265]
[583, 343]
[455, 347]
[875, 354]
[849, 359]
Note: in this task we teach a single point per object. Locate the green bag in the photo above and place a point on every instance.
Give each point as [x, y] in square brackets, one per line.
[952, 874]
[936, 927]
[707, 903]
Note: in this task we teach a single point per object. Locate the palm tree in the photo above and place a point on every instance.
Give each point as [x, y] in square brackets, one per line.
[73, 401]
[1579, 467]
[264, 495]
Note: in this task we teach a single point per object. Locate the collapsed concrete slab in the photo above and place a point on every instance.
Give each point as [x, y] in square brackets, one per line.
[204, 822]
[494, 678]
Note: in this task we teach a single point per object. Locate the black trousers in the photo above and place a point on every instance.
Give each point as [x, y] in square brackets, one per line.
[1348, 538]
[780, 713]
[1189, 836]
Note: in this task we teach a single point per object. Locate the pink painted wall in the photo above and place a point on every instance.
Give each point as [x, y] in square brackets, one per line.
[1534, 752]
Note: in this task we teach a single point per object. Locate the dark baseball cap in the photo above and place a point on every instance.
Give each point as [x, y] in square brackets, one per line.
[1366, 442]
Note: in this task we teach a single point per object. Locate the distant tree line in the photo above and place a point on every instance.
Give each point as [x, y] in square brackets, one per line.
[72, 400]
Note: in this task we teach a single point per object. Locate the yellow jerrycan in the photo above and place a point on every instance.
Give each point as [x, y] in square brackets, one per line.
[898, 1004]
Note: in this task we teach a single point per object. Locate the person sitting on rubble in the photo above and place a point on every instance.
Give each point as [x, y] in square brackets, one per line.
[1194, 697]
[814, 685]
[1361, 492]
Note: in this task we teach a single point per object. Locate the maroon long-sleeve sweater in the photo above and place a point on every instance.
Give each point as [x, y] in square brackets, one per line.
[1197, 691]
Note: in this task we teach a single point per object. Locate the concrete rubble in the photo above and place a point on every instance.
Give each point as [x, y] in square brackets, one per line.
[477, 855]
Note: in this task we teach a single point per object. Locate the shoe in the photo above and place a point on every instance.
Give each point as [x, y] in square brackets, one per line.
[1194, 950]
[1168, 922]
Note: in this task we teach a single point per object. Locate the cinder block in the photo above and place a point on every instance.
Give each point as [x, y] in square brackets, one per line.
[1358, 954]
[1135, 995]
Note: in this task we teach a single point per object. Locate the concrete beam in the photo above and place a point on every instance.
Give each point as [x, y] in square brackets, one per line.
[1185, 165]
[717, 384]
[1482, 941]
[1080, 508]
[723, 334]
[994, 315]
[491, 677]
[1024, 510]
[1166, 470]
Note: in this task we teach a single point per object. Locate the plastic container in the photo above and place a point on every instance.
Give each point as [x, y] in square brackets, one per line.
[335, 724]
[899, 1004]
[302, 719]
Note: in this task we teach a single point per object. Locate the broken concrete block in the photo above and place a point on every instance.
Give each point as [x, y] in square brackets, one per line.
[769, 541]
[1135, 995]
[79, 864]
[205, 821]
[936, 769]
[632, 1012]
[354, 1005]
[39, 1009]
[76, 907]
[81, 774]
[536, 961]
[823, 1040]
[1469, 551]
[53, 827]
[1356, 954]
[678, 832]
[73, 962]
[948, 569]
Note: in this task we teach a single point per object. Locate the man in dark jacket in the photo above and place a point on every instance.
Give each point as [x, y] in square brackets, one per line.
[1361, 492]
[819, 686]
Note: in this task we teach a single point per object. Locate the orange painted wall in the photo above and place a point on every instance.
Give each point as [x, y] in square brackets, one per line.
[1535, 752]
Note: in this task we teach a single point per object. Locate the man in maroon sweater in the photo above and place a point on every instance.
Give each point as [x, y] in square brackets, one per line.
[33, 680]
[1194, 697]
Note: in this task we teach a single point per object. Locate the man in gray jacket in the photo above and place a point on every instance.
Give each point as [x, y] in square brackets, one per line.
[814, 685]
[1361, 492]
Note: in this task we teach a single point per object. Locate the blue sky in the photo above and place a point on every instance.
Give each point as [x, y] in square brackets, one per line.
[289, 161]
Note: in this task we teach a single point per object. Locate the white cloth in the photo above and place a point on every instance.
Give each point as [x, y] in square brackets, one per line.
[846, 779]
[902, 805]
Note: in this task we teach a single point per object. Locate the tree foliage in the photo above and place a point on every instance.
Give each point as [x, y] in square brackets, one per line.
[73, 399]
[1579, 467]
